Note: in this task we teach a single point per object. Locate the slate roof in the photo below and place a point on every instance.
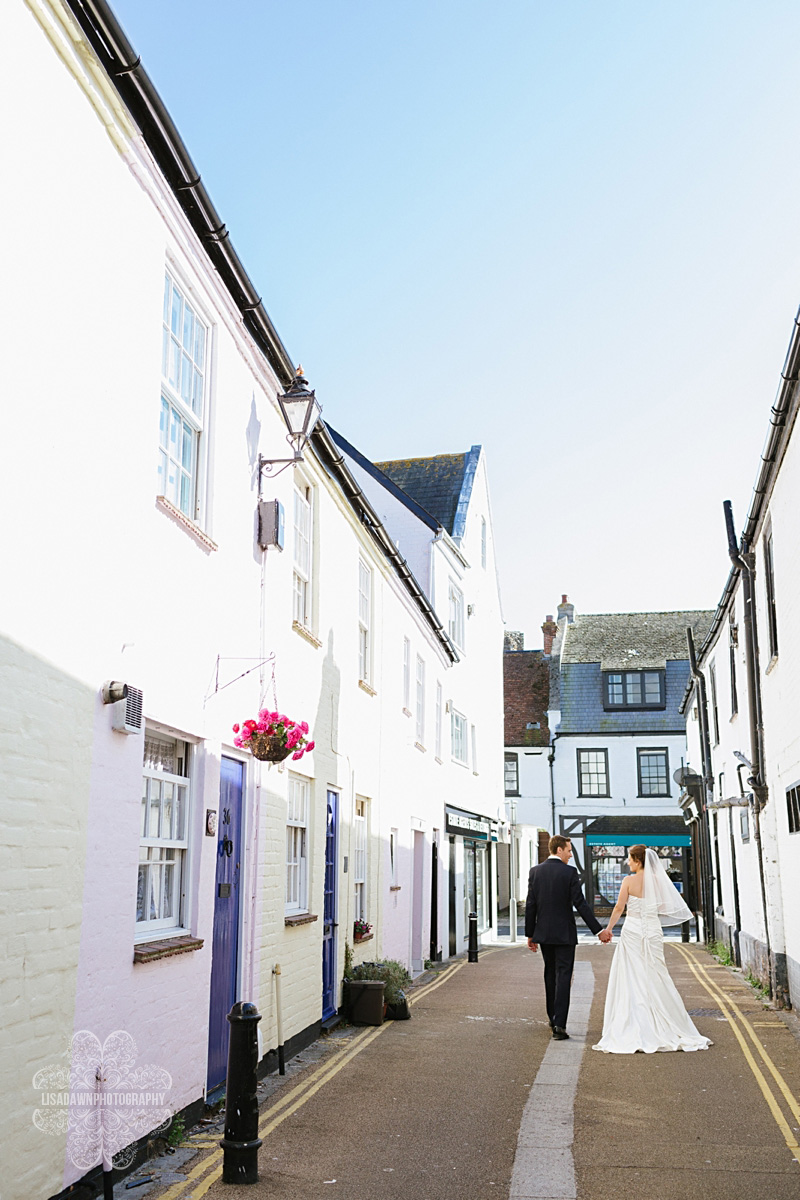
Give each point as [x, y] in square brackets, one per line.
[633, 641]
[435, 483]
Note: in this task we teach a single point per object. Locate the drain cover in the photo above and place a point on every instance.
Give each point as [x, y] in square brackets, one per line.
[705, 1012]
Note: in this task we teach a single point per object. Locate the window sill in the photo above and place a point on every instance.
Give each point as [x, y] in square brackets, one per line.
[165, 948]
[458, 763]
[772, 662]
[419, 746]
[406, 711]
[168, 508]
[396, 887]
[307, 634]
[366, 937]
[362, 683]
[300, 919]
[438, 760]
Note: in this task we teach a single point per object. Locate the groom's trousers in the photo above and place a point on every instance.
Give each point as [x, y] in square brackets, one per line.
[559, 962]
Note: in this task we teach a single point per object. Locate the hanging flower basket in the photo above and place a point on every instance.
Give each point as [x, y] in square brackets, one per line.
[273, 737]
[269, 749]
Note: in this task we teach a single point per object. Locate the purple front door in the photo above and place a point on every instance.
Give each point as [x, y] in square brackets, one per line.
[225, 942]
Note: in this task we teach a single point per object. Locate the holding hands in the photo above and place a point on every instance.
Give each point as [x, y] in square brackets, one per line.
[605, 936]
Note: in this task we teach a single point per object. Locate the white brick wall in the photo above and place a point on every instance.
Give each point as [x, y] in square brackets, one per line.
[45, 754]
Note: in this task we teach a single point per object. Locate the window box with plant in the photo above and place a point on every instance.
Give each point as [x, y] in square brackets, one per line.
[362, 931]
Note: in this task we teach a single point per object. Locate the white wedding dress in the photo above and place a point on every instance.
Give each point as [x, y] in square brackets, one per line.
[644, 1010]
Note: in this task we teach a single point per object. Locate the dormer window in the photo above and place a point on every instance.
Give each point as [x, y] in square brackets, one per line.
[634, 689]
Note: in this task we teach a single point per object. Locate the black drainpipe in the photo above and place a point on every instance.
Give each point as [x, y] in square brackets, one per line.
[744, 561]
[706, 872]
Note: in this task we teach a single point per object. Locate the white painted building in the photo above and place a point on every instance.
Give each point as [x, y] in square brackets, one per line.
[744, 801]
[617, 735]
[155, 874]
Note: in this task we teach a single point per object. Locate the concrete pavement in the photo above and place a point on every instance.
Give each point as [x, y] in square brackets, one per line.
[472, 1099]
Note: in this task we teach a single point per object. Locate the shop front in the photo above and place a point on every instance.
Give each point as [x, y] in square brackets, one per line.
[600, 848]
[471, 838]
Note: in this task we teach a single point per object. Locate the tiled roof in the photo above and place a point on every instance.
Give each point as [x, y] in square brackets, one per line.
[639, 825]
[633, 641]
[435, 483]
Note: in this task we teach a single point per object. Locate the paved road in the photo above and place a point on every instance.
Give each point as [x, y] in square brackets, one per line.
[441, 1107]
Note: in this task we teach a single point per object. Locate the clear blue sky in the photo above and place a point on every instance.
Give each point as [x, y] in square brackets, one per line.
[566, 231]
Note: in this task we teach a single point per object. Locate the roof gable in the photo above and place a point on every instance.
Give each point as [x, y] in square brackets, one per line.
[442, 485]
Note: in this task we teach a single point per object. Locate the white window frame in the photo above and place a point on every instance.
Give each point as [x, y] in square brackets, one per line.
[439, 709]
[297, 805]
[364, 621]
[361, 858]
[156, 845]
[484, 540]
[302, 552]
[474, 742]
[455, 623]
[459, 730]
[406, 675]
[420, 689]
[185, 357]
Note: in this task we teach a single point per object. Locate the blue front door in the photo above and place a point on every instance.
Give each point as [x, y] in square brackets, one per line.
[225, 942]
[329, 981]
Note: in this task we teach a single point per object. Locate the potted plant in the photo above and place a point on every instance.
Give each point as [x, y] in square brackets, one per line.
[361, 930]
[394, 977]
[273, 737]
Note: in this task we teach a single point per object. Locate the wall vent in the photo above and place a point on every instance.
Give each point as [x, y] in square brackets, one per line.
[126, 715]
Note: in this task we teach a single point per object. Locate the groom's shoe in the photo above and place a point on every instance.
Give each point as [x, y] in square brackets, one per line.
[559, 1034]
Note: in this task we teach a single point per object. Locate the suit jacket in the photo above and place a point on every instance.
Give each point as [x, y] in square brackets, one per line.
[554, 892]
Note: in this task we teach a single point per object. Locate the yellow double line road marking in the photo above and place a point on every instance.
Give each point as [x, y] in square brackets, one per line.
[730, 1009]
[209, 1169]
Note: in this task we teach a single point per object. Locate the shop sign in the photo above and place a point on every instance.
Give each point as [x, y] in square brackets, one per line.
[467, 825]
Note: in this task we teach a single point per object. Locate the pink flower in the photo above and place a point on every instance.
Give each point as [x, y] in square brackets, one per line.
[296, 755]
[303, 726]
[262, 726]
[310, 746]
[236, 729]
[246, 735]
[250, 725]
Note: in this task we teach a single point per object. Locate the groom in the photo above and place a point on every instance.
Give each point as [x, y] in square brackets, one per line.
[554, 890]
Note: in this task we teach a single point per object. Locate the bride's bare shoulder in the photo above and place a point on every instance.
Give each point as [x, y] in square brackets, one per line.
[636, 885]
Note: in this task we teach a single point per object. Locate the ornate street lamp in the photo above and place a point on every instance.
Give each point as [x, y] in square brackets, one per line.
[301, 411]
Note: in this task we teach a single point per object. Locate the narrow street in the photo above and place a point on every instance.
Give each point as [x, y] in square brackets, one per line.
[472, 1099]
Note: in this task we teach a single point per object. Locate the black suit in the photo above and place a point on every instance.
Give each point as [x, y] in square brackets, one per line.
[554, 892]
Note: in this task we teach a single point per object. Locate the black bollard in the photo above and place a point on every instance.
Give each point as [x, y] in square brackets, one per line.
[241, 1141]
[472, 944]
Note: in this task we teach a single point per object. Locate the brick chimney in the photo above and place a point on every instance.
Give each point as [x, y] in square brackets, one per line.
[566, 610]
[549, 631]
[513, 640]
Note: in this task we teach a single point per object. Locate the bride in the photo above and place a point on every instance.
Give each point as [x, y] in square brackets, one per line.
[643, 1008]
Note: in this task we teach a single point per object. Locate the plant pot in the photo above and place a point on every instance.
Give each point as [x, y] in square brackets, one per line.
[398, 1010]
[364, 1001]
[268, 749]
